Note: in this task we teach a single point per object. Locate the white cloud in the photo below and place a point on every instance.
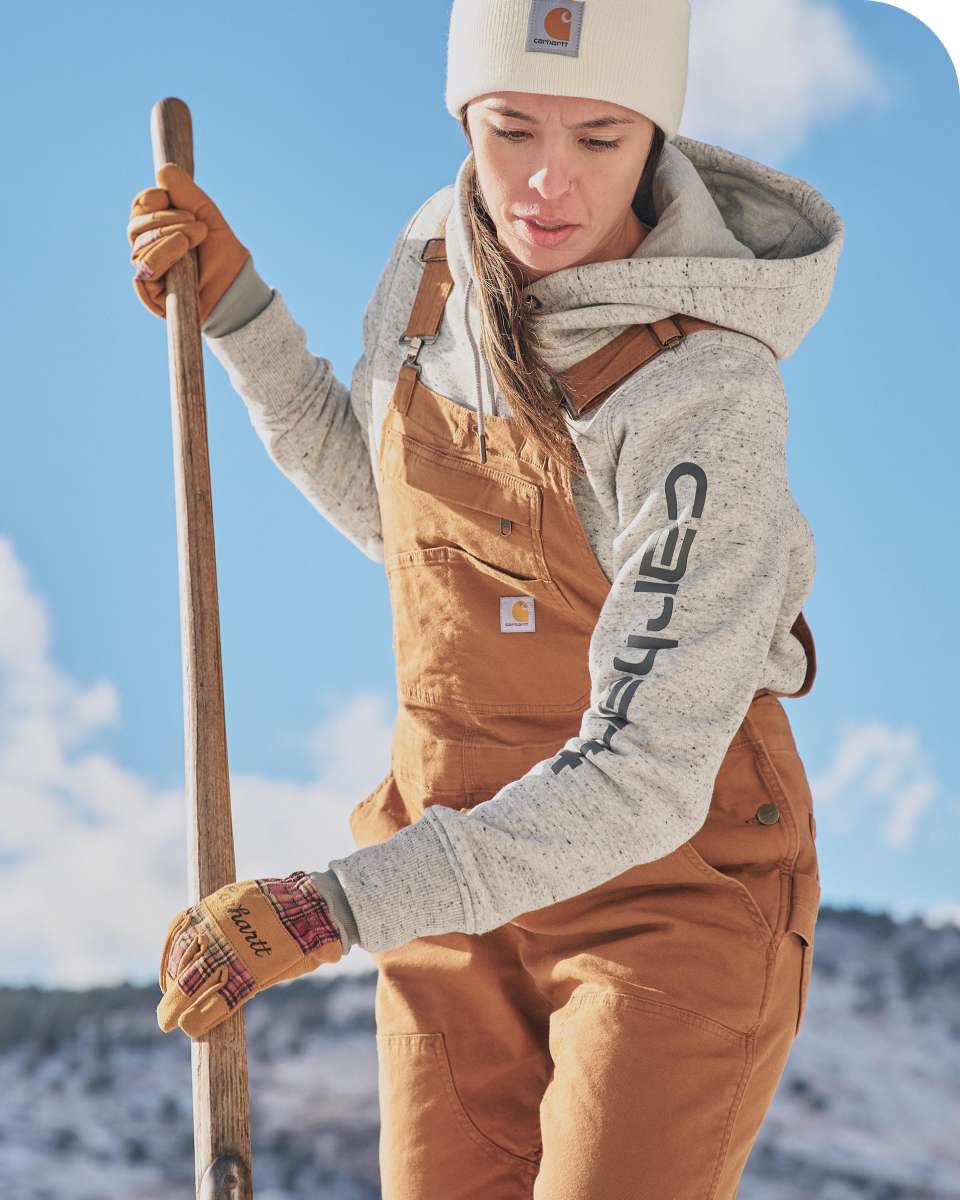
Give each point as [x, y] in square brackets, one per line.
[93, 856]
[764, 73]
[879, 773]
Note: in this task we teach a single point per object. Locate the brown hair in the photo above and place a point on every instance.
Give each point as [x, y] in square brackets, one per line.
[508, 337]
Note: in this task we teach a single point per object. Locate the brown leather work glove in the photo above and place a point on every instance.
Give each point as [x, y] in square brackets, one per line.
[238, 940]
[167, 221]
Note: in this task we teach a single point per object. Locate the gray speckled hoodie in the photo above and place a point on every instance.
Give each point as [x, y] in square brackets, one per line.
[737, 243]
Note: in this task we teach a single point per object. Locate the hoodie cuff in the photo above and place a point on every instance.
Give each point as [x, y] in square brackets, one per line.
[243, 300]
[406, 887]
[329, 886]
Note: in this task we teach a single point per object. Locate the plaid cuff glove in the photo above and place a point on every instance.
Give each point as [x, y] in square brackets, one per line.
[237, 941]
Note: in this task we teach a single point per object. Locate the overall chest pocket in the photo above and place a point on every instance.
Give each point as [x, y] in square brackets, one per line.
[436, 500]
[462, 547]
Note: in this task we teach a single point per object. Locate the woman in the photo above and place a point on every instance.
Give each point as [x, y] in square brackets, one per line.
[589, 879]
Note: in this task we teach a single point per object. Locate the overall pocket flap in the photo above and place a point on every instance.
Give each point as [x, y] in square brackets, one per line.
[457, 481]
[804, 905]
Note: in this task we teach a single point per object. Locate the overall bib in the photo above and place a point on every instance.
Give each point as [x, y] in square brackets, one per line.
[625, 1043]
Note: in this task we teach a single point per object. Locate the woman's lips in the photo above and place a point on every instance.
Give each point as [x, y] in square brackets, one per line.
[537, 236]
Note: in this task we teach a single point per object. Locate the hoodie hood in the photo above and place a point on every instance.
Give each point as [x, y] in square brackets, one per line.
[736, 242]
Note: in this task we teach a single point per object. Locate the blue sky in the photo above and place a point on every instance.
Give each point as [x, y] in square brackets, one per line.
[318, 134]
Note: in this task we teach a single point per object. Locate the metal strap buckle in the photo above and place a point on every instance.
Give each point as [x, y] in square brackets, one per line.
[415, 341]
[417, 337]
[566, 404]
[673, 340]
[434, 257]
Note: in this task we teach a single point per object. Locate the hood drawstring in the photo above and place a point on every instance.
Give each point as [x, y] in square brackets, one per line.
[481, 438]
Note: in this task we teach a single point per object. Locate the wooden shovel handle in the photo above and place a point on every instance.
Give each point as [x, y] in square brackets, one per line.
[221, 1107]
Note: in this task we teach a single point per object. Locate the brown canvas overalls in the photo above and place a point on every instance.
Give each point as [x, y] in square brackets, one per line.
[623, 1044]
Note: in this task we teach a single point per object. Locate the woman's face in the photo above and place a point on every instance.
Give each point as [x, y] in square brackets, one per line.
[533, 161]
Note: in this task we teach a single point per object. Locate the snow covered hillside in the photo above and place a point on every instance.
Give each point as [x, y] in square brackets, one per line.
[95, 1101]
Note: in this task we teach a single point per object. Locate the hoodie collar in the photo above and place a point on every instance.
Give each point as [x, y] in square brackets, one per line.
[736, 242]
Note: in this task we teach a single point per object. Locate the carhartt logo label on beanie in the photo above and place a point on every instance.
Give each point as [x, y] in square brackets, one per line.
[555, 28]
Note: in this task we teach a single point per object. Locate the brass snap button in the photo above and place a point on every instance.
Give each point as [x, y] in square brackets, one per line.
[768, 814]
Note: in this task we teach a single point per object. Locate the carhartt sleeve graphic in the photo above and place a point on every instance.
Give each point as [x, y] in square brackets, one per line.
[701, 562]
[314, 428]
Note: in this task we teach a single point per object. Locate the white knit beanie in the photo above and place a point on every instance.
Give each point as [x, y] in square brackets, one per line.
[629, 52]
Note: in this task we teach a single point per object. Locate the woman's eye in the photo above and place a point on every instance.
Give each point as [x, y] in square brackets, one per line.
[518, 135]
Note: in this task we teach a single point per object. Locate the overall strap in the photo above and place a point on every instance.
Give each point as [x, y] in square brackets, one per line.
[436, 283]
[801, 631]
[595, 377]
[423, 324]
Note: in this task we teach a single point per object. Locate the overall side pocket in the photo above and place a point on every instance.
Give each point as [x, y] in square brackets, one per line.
[801, 923]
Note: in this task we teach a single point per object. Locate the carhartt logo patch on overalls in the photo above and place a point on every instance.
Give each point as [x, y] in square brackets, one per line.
[517, 614]
[555, 28]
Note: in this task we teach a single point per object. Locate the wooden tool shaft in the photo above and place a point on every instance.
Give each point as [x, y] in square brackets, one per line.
[221, 1105]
